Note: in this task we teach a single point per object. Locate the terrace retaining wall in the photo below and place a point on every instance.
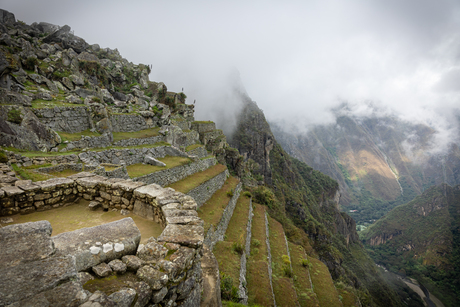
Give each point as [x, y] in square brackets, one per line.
[204, 191]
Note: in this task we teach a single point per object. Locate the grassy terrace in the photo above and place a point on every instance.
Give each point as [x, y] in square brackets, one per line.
[41, 104]
[192, 147]
[187, 184]
[348, 298]
[283, 285]
[65, 136]
[118, 136]
[138, 170]
[228, 252]
[323, 284]
[259, 290]
[37, 154]
[305, 293]
[211, 211]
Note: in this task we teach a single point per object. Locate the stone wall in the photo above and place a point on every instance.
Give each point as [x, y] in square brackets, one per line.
[128, 156]
[131, 122]
[111, 171]
[242, 290]
[204, 191]
[202, 127]
[67, 119]
[77, 167]
[200, 152]
[140, 141]
[104, 140]
[28, 161]
[217, 234]
[169, 282]
[174, 174]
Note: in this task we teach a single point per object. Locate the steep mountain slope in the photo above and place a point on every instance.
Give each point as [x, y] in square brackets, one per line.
[305, 201]
[421, 239]
[379, 161]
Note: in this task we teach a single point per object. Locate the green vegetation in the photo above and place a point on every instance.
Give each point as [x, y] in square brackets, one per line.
[30, 63]
[26, 174]
[3, 157]
[187, 184]
[66, 136]
[40, 103]
[211, 211]
[138, 170]
[14, 116]
[192, 147]
[323, 284]
[227, 290]
[118, 136]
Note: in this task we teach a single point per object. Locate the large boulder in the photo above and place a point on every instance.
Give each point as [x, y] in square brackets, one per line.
[7, 18]
[16, 247]
[152, 161]
[64, 36]
[98, 244]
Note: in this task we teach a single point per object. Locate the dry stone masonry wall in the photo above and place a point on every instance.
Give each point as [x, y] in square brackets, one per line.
[177, 173]
[204, 191]
[67, 119]
[35, 267]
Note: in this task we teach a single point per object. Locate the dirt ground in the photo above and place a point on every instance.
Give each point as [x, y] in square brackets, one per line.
[76, 216]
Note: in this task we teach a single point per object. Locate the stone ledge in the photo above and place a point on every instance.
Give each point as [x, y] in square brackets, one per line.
[187, 235]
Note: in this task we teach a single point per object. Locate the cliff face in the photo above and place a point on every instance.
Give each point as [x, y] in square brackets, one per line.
[421, 238]
[379, 162]
[306, 202]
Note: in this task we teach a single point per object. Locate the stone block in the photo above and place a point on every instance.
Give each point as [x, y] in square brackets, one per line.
[12, 191]
[118, 266]
[91, 182]
[144, 210]
[16, 247]
[150, 191]
[152, 252]
[154, 278]
[127, 186]
[94, 205]
[144, 293]
[102, 270]
[119, 238]
[123, 297]
[54, 183]
[187, 235]
[185, 220]
[133, 263]
[24, 281]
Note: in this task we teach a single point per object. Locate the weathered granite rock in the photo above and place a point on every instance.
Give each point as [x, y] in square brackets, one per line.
[123, 297]
[211, 279]
[183, 257]
[154, 278]
[152, 251]
[29, 279]
[25, 242]
[93, 205]
[188, 235]
[118, 266]
[152, 161]
[132, 262]
[102, 270]
[84, 277]
[144, 293]
[118, 238]
[99, 299]
[159, 295]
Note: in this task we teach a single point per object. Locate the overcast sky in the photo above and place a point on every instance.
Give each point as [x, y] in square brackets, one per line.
[296, 59]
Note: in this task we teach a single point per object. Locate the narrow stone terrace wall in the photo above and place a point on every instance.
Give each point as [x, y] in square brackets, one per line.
[200, 152]
[26, 161]
[217, 234]
[140, 141]
[174, 174]
[130, 123]
[204, 191]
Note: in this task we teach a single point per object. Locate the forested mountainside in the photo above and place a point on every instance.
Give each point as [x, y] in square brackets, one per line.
[422, 239]
[306, 202]
[379, 162]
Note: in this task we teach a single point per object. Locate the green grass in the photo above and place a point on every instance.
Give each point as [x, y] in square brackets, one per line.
[118, 136]
[323, 284]
[41, 104]
[305, 293]
[203, 122]
[138, 170]
[187, 184]
[211, 211]
[192, 147]
[225, 252]
[283, 286]
[34, 166]
[64, 173]
[26, 174]
[258, 283]
[65, 136]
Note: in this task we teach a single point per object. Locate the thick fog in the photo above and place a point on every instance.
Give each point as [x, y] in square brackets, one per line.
[296, 59]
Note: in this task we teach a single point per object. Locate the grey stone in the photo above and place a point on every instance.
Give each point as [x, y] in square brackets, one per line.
[154, 278]
[93, 205]
[144, 293]
[123, 297]
[84, 277]
[152, 161]
[123, 232]
[25, 242]
[183, 257]
[102, 270]
[118, 266]
[132, 262]
[99, 299]
[152, 252]
[29, 279]
[159, 295]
